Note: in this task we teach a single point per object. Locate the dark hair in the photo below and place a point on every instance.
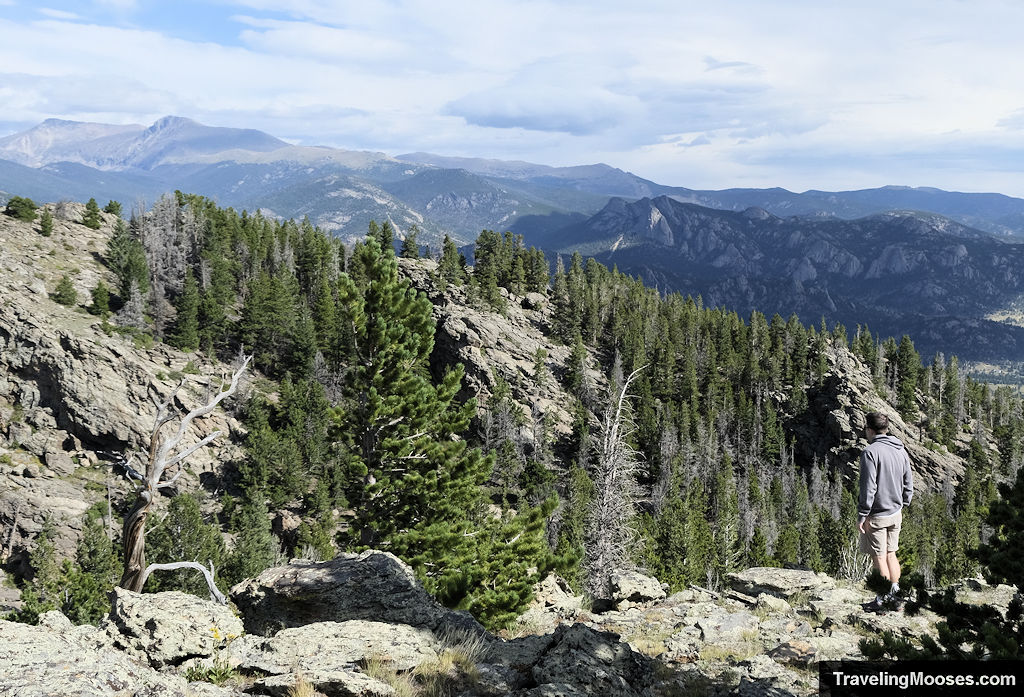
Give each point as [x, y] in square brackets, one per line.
[878, 422]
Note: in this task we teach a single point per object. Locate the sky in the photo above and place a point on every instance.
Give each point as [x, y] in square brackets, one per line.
[734, 93]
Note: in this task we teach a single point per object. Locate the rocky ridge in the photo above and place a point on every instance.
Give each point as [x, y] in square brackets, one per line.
[383, 635]
[74, 399]
[490, 345]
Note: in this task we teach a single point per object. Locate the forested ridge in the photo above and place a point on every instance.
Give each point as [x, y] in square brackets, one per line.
[682, 461]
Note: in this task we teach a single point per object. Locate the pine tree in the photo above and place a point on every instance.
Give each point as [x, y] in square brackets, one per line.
[185, 335]
[571, 533]
[46, 223]
[700, 554]
[48, 579]
[511, 557]
[127, 259]
[908, 364]
[91, 218]
[21, 208]
[96, 571]
[183, 535]
[268, 320]
[100, 300]
[256, 547]
[727, 520]
[113, 207]
[410, 245]
[450, 268]
[421, 486]
[65, 294]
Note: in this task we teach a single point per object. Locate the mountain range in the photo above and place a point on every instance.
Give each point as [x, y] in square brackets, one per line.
[343, 189]
[897, 272]
[923, 261]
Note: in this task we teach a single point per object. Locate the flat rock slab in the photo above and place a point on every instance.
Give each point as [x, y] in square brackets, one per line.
[38, 661]
[333, 647]
[727, 626]
[330, 683]
[782, 583]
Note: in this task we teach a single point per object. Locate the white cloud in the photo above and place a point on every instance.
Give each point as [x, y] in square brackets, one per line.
[57, 14]
[772, 93]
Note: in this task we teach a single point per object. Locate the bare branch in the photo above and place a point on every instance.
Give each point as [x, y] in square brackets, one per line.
[215, 593]
[167, 446]
[170, 482]
[188, 451]
[161, 457]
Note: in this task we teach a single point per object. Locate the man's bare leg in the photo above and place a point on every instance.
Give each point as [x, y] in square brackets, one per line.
[881, 562]
[893, 565]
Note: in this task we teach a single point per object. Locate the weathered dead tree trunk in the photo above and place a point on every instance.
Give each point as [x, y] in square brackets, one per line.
[164, 457]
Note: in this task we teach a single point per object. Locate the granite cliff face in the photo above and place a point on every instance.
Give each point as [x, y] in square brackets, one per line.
[73, 399]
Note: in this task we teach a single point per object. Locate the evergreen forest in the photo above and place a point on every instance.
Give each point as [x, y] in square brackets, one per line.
[682, 460]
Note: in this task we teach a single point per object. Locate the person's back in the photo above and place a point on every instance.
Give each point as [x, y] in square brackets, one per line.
[886, 487]
[887, 483]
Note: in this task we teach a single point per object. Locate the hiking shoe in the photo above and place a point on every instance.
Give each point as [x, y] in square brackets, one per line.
[892, 601]
[876, 605]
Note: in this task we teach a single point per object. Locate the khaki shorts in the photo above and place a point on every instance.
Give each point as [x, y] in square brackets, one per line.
[883, 535]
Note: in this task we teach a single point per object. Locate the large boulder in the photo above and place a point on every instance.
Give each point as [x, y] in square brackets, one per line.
[170, 628]
[56, 658]
[374, 586]
[634, 587]
[553, 602]
[781, 583]
[581, 660]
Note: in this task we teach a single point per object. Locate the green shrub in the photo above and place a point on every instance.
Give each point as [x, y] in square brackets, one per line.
[65, 294]
[21, 208]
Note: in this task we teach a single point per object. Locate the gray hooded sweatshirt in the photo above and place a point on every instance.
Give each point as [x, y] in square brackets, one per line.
[886, 482]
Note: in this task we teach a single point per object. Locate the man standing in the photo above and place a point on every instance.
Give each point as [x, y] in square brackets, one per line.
[886, 486]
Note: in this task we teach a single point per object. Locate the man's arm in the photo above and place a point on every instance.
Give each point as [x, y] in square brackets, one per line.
[908, 482]
[868, 487]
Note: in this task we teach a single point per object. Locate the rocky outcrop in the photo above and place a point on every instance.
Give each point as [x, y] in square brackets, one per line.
[390, 635]
[830, 431]
[170, 628]
[73, 397]
[373, 586]
[505, 345]
[56, 658]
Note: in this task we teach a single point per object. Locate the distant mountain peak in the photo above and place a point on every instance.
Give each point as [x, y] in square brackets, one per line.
[169, 140]
[166, 122]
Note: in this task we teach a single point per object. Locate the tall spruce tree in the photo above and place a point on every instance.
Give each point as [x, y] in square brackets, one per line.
[420, 485]
[127, 259]
[46, 223]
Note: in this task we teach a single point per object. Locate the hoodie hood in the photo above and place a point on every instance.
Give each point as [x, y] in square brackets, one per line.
[886, 439]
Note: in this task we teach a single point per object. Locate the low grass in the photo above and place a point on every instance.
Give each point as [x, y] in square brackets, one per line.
[453, 672]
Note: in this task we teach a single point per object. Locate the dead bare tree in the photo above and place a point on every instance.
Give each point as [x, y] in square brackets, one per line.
[164, 458]
[609, 534]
